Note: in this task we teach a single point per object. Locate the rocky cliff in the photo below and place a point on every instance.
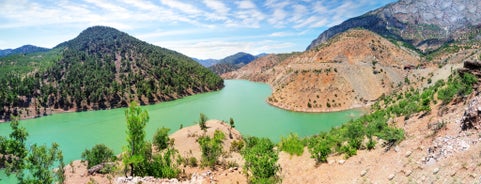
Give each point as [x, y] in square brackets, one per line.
[425, 24]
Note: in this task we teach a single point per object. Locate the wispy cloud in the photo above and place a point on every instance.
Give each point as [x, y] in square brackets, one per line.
[183, 19]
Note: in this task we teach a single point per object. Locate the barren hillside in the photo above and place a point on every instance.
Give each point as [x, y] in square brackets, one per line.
[353, 69]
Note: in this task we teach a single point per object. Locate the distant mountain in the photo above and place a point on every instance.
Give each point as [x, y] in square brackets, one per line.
[206, 62]
[231, 63]
[101, 68]
[26, 49]
[5, 52]
[425, 24]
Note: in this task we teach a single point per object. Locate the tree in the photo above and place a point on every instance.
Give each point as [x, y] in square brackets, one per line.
[202, 119]
[137, 119]
[39, 163]
[231, 122]
[97, 155]
[161, 138]
[32, 166]
[14, 150]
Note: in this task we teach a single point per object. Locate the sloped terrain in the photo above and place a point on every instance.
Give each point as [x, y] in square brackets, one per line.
[424, 24]
[101, 68]
[351, 70]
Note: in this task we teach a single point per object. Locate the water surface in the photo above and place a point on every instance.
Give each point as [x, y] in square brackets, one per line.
[244, 101]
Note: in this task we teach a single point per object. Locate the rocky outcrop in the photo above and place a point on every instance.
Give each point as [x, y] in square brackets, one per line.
[472, 116]
[351, 70]
[426, 24]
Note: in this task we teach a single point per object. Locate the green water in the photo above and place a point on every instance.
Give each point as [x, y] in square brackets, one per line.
[242, 100]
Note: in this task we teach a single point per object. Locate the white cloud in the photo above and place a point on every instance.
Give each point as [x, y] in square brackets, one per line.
[218, 49]
[246, 4]
[184, 7]
[217, 6]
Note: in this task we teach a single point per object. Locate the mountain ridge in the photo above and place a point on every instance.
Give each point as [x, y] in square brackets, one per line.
[102, 68]
[425, 24]
[25, 49]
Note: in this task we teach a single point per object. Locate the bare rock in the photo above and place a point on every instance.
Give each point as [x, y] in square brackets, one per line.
[364, 172]
[391, 176]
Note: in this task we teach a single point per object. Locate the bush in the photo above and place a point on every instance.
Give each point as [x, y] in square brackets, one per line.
[161, 166]
[236, 145]
[319, 148]
[211, 148]
[97, 155]
[202, 120]
[292, 145]
[260, 160]
[371, 144]
[161, 138]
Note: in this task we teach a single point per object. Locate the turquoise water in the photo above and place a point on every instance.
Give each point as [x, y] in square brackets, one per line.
[244, 101]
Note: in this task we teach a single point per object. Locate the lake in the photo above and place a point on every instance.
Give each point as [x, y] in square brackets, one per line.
[244, 101]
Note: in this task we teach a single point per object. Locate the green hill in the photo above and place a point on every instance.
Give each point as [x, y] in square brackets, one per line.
[101, 68]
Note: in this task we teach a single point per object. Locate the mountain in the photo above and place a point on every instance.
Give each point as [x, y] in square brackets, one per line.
[352, 69]
[206, 62]
[26, 49]
[101, 68]
[231, 63]
[424, 24]
[5, 52]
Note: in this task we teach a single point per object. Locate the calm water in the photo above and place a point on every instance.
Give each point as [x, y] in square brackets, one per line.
[242, 100]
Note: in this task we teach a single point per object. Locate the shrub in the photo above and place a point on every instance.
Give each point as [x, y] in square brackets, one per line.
[371, 144]
[161, 138]
[211, 148]
[202, 120]
[236, 145]
[260, 160]
[292, 144]
[319, 148]
[97, 155]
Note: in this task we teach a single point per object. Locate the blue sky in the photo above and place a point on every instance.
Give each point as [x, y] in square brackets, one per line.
[197, 28]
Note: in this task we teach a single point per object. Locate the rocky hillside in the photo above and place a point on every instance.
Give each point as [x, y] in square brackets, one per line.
[231, 63]
[351, 70]
[425, 24]
[101, 68]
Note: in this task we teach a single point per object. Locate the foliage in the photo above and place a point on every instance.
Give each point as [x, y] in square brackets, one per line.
[236, 145]
[211, 148]
[292, 144]
[137, 119]
[161, 138]
[457, 85]
[231, 123]
[14, 147]
[161, 166]
[260, 160]
[30, 166]
[319, 147]
[97, 155]
[202, 120]
[39, 161]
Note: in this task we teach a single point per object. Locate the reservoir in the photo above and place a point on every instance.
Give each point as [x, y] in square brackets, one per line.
[242, 100]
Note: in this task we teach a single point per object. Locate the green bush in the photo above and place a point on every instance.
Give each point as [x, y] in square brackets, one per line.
[319, 148]
[292, 144]
[371, 144]
[202, 120]
[211, 148]
[161, 138]
[260, 160]
[236, 145]
[97, 155]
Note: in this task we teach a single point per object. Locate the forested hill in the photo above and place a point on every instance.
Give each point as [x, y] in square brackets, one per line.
[101, 68]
